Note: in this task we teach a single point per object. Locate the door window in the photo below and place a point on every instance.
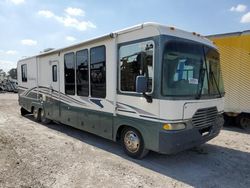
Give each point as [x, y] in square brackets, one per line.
[54, 73]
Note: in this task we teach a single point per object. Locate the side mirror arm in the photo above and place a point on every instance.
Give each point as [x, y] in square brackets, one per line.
[147, 97]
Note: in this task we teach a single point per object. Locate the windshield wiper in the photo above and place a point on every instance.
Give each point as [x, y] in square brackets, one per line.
[216, 84]
[201, 81]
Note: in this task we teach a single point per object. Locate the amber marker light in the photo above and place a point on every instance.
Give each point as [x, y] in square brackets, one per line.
[174, 126]
[167, 126]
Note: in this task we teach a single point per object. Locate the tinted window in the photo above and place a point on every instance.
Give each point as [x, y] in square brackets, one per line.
[24, 72]
[136, 59]
[98, 72]
[54, 73]
[69, 68]
[82, 74]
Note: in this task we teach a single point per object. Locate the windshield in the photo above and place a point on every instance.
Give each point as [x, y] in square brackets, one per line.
[187, 71]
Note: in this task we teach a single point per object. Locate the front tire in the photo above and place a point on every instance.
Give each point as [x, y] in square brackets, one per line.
[133, 143]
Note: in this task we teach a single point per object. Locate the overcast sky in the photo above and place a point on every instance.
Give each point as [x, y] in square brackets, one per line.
[29, 26]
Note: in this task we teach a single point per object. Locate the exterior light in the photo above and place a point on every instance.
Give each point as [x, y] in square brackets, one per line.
[173, 126]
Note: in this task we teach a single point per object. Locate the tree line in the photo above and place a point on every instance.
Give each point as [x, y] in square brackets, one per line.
[12, 73]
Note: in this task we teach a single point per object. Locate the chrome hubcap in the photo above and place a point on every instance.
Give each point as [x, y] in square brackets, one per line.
[132, 141]
[42, 113]
[35, 113]
[42, 116]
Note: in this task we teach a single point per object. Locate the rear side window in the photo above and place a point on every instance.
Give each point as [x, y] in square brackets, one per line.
[69, 68]
[98, 71]
[54, 73]
[24, 72]
[82, 73]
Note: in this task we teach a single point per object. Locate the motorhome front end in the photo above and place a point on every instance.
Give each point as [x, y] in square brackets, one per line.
[151, 87]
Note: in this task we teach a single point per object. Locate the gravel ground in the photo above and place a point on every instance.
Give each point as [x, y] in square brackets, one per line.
[55, 155]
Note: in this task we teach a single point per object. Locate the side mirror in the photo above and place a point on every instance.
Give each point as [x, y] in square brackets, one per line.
[141, 84]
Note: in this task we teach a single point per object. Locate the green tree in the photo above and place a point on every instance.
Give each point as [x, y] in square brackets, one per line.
[2, 72]
[13, 73]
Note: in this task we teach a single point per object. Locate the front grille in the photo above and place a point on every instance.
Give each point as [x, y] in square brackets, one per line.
[205, 117]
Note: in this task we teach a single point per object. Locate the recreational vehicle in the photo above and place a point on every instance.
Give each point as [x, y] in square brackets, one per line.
[234, 51]
[150, 87]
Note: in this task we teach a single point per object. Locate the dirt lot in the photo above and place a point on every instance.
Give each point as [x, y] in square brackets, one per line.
[37, 155]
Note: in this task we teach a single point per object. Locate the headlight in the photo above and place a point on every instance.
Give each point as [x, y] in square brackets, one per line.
[174, 126]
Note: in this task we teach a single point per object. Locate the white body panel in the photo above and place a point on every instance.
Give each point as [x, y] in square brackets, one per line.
[138, 107]
[44, 70]
[184, 110]
[32, 77]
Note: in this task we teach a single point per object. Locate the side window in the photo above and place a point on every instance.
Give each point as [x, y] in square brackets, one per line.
[69, 73]
[98, 71]
[134, 60]
[82, 73]
[54, 73]
[24, 72]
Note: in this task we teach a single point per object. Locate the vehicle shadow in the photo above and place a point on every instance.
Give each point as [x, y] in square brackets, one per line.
[230, 125]
[206, 166]
[235, 128]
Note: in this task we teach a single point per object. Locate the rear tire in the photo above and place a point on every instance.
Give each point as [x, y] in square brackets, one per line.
[243, 121]
[133, 143]
[43, 117]
[37, 114]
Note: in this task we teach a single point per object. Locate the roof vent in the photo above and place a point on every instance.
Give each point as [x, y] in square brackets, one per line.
[47, 50]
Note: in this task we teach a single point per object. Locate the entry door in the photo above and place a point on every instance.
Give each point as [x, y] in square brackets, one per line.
[55, 90]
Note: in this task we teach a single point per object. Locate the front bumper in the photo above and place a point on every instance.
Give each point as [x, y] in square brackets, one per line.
[175, 141]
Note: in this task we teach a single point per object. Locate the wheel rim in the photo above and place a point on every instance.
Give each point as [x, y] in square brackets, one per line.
[43, 118]
[42, 113]
[132, 141]
[35, 114]
[245, 122]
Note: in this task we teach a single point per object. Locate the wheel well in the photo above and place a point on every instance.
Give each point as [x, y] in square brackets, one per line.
[122, 127]
[32, 109]
[119, 132]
